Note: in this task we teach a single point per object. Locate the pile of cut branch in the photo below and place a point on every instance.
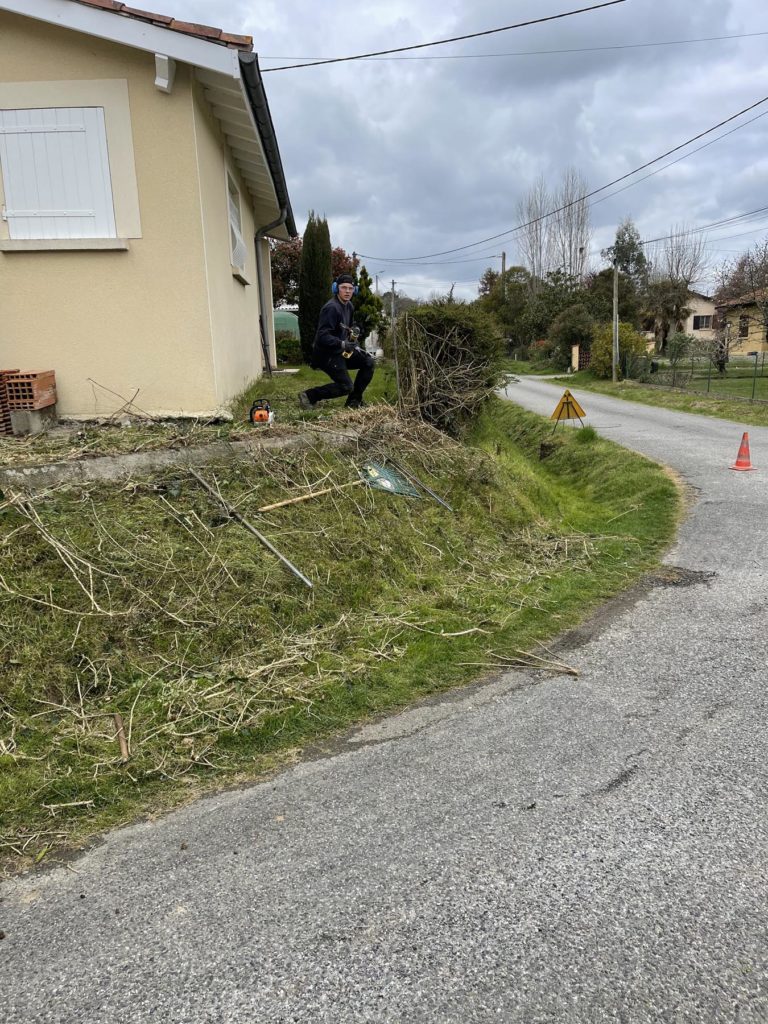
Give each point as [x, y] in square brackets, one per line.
[446, 372]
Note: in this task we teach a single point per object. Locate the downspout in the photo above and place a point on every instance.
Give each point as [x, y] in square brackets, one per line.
[260, 234]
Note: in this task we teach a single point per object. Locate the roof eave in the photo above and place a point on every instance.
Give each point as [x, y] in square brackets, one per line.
[140, 35]
[254, 88]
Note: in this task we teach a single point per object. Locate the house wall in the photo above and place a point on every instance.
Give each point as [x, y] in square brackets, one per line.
[234, 299]
[756, 340]
[700, 306]
[130, 320]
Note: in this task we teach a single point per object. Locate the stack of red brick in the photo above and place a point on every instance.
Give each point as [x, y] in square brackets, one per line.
[5, 409]
[26, 391]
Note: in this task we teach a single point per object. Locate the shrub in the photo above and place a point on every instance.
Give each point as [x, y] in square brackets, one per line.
[631, 348]
[287, 348]
[679, 346]
[450, 362]
[574, 326]
[540, 350]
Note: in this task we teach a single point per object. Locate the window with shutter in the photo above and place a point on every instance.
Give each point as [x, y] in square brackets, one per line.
[55, 170]
[238, 250]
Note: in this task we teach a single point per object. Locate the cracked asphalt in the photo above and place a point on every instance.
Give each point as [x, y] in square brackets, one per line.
[537, 849]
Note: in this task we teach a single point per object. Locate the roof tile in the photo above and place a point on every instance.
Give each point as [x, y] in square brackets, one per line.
[239, 41]
[195, 30]
[107, 5]
[156, 19]
[207, 32]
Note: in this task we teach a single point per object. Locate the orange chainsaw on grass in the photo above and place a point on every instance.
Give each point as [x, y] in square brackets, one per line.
[261, 414]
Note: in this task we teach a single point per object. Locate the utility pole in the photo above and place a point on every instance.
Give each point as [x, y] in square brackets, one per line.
[615, 356]
[394, 344]
[503, 277]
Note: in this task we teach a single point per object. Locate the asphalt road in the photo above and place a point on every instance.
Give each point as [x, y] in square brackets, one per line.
[540, 849]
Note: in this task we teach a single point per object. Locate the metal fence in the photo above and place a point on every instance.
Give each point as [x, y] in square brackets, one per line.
[744, 378]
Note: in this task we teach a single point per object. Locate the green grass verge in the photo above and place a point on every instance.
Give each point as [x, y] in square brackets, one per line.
[144, 600]
[739, 411]
[523, 367]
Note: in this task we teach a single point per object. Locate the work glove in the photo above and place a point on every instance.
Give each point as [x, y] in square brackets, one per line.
[348, 347]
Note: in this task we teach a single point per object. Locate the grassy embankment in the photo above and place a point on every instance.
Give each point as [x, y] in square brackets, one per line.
[145, 600]
[738, 410]
[72, 442]
[523, 367]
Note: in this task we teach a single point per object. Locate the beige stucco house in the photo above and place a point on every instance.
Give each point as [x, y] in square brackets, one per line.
[746, 322]
[700, 323]
[140, 178]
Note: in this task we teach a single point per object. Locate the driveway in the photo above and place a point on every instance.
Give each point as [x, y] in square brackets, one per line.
[537, 849]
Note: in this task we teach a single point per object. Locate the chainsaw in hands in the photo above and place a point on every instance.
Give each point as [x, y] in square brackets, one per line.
[350, 345]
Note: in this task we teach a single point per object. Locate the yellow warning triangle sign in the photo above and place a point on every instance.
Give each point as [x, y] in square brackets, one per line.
[567, 408]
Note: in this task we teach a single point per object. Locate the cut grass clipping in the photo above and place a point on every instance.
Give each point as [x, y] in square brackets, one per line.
[153, 649]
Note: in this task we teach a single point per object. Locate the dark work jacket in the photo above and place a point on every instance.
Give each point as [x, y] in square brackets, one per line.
[334, 317]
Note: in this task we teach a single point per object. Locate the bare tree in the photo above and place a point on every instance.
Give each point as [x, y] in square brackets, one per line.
[675, 263]
[570, 229]
[534, 239]
[681, 257]
[742, 289]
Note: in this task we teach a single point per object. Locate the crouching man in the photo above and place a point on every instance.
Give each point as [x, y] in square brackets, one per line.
[336, 351]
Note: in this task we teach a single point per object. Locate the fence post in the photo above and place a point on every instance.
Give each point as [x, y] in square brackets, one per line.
[709, 373]
[754, 380]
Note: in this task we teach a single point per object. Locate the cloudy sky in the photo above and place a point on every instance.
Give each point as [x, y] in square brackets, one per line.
[412, 157]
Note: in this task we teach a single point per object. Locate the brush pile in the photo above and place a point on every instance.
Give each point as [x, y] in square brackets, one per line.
[449, 361]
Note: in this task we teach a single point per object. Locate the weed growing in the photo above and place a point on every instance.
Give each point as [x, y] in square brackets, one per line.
[147, 602]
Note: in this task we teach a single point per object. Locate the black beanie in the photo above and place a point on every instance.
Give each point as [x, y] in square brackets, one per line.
[345, 279]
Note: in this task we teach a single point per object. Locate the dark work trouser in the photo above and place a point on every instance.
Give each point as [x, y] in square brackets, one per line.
[337, 368]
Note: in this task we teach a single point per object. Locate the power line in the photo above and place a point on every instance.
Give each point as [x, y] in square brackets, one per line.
[526, 53]
[725, 222]
[573, 202]
[442, 42]
[685, 156]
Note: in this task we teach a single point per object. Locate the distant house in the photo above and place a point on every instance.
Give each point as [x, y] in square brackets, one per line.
[140, 178]
[700, 323]
[746, 321]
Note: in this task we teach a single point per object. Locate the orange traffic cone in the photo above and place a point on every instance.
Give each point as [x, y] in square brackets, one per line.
[743, 461]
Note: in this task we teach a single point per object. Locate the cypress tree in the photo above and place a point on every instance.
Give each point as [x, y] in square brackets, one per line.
[368, 307]
[314, 279]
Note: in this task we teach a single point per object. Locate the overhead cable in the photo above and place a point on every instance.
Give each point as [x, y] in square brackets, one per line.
[573, 202]
[528, 53]
[442, 42]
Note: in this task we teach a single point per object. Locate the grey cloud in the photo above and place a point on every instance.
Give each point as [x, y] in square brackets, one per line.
[410, 157]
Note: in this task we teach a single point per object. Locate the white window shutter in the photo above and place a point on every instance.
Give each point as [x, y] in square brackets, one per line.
[55, 169]
[239, 251]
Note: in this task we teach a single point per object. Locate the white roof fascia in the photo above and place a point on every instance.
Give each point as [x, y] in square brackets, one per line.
[129, 31]
[231, 107]
[256, 133]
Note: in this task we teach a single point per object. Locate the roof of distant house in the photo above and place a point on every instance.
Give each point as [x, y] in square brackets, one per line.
[755, 297]
[188, 28]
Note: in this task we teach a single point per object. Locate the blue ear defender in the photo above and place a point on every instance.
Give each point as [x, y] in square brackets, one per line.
[335, 288]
